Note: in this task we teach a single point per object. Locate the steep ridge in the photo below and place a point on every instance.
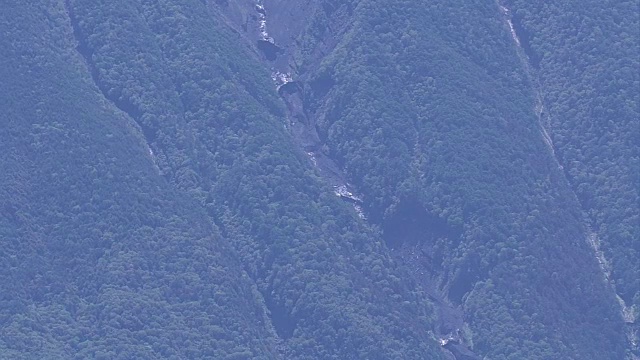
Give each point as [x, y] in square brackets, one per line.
[121, 103]
[101, 258]
[324, 276]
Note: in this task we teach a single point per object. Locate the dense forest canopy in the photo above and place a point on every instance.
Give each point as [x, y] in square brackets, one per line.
[170, 172]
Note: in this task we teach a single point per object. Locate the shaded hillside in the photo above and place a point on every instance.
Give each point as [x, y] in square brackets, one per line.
[431, 114]
[321, 180]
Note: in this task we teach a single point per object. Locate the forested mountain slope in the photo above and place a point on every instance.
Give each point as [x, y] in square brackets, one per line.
[204, 125]
[164, 198]
[590, 90]
[101, 258]
[432, 116]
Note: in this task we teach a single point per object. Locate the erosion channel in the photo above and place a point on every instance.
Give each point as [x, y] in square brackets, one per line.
[273, 27]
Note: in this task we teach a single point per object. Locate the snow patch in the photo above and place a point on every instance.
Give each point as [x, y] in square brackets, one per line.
[281, 78]
[342, 191]
[262, 21]
[507, 13]
[359, 211]
[628, 312]
[594, 241]
[513, 32]
[313, 158]
[453, 336]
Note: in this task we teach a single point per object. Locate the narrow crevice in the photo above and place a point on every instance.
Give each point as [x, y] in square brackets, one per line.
[418, 241]
[283, 323]
[423, 262]
[296, 92]
[411, 232]
[266, 43]
[303, 129]
[524, 40]
[113, 96]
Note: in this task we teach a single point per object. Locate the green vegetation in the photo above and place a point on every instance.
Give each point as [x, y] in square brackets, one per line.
[153, 203]
[424, 115]
[591, 90]
[101, 258]
[158, 279]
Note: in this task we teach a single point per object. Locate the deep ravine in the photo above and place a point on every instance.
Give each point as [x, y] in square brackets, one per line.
[300, 124]
[450, 329]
